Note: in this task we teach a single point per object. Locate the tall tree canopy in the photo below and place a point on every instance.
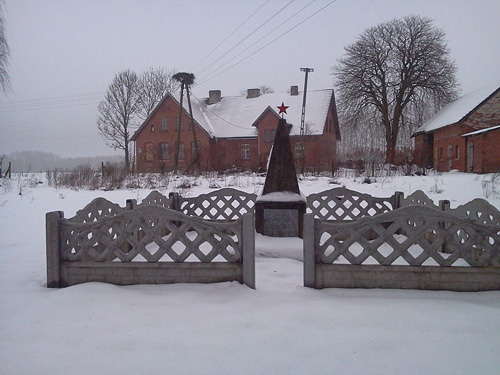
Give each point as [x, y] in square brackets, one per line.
[392, 67]
[117, 110]
[4, 53]
[130, 99]
[153, 85]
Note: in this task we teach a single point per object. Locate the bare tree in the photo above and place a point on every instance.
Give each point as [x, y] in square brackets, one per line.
[4, 53]
[117, 110]
[390, 67]
[266, 89]
[153, 85]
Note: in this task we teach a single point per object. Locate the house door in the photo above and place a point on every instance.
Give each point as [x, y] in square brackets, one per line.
[470, 156]
[450, 157]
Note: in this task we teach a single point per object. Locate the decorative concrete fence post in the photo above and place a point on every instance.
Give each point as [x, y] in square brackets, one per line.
[248, 242]
[53, 247]
[309, 251]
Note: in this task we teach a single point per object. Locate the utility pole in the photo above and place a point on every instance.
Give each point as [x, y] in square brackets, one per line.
[186, 80]
[303, 118]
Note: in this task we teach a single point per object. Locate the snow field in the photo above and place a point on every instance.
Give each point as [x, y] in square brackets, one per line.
[227, 328]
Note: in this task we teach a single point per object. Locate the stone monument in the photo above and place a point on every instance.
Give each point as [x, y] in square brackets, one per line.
[280, 208]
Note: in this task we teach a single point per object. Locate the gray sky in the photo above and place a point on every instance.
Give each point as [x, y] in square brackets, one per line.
[64, 53]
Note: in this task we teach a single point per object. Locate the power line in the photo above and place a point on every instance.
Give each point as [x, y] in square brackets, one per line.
[223, 119]
[234, 31]
[52, 103]
[257, 41]
[246, 37]
[266, 45]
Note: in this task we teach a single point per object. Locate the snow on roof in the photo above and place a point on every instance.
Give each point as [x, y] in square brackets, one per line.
[477, 132]
[234, 116]
[458, 109]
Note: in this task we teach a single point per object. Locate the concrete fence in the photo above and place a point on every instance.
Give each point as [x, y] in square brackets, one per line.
[149, 245]
[105, 241]
[403, 249]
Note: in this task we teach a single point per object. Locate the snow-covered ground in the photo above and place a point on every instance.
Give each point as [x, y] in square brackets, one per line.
[227, 328]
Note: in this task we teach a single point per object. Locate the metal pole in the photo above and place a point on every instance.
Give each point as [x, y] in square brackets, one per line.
[303, 118]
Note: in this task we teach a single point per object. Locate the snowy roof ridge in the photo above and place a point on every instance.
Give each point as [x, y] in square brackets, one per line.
[235, 116]
[459, 109]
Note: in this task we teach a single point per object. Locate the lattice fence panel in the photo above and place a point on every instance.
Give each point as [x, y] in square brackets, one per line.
[342, 204]
[155, 198]
[478, 210]
[165, 235]
[96, 210]
[223, 204]
[426, 232]
[418, 198]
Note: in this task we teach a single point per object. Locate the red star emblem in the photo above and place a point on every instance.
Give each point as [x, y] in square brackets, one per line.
[282, 108]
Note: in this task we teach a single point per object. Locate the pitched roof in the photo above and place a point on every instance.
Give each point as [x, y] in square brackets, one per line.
[234, 116]
[459, 109]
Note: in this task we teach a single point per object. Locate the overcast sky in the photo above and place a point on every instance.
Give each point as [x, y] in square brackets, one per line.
[64, 53]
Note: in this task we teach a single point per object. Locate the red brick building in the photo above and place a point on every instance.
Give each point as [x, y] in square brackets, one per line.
[237, 132]
[464, 135]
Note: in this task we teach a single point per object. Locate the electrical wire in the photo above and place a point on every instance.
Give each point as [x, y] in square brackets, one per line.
[52, 102]
[231, 34]
[223, 119]
[258, 40]
[246, 37]
[266, 45]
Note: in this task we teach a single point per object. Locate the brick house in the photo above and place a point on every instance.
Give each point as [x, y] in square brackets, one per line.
[464, 135]
[237, 132]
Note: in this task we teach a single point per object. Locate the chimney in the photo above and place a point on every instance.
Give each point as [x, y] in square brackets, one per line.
[253, 93]
[294, 90]
[214, 96]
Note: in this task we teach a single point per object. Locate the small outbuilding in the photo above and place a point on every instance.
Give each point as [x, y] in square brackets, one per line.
[464, 135]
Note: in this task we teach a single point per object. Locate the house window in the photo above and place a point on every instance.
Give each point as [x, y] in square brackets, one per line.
[245, 151]
[450, 152]
[164, 125]
[181, 151]
[194, 149]
[190, 126]
[152, 128]
[440, 153]
[149, 151]
[457, 152]
[269, 135]
[165, 152]
[179, 125]
[299, 148]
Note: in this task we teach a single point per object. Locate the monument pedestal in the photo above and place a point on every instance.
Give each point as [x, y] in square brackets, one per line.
[280, 219]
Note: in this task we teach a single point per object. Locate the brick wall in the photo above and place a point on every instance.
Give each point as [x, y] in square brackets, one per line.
[486, 152]
[487, 115]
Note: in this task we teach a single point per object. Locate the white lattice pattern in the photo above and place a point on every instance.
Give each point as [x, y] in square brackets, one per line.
[223, 204]
[96, 210]
[346, 205]
[152, 233]
[425, 232]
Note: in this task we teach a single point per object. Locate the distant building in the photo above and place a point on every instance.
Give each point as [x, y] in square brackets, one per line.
[464, 135]
[237, 132]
